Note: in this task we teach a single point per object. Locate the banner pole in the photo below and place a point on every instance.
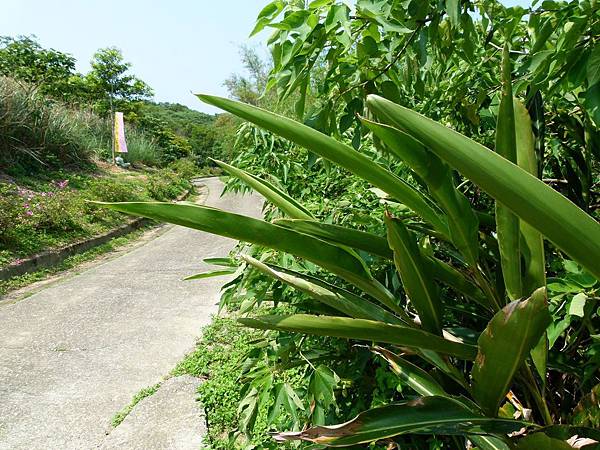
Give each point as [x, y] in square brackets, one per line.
[112, 135]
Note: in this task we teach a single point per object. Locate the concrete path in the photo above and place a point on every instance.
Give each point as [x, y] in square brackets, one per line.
[75, 353]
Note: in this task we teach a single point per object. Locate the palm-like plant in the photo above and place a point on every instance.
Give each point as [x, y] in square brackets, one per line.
[511, 345]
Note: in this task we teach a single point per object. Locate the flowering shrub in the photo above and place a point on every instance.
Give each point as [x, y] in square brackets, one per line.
[58, 212]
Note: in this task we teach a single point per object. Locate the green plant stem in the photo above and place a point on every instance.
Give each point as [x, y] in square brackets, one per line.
[538, 396]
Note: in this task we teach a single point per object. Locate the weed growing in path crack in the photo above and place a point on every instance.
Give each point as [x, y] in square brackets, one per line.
[121, 415]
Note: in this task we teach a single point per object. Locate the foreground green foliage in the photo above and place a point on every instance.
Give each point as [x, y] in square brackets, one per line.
[439, 294]
[520, 324]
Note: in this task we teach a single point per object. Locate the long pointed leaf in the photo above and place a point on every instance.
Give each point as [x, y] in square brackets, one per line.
[222, 223]
[504, 345]
[549, 212]
[353, 306]
[360, 329]
[213, 273]
[416, 279]
[507, 223]
[462, 221]
[412, 375]
[425, 415]
[378, 246]
[532, 243]
[335, 151]
[279, 198]
[356, 239]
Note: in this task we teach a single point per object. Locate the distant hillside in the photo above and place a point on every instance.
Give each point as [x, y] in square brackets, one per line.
[178, 118]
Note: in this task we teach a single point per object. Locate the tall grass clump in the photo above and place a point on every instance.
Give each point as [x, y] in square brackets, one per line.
[142, 148]
[35, 131]
[38, 133]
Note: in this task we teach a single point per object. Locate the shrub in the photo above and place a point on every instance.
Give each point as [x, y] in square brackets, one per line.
[468, 356]
[166, 185]
[186, 168]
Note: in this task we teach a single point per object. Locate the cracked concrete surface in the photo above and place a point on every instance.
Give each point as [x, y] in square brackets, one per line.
[75, 353]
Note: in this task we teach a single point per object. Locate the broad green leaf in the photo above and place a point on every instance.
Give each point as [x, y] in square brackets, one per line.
[549, 212]
[286, 399]
[587, 411]
[349, 237]
[462, 221]
[235, 226]
[282, 200]
[213, 273]
[593, 66]
[343, 301]
[412, 375]
[417, 281]
[266, 15]
[538, 441]
[504, 345]
[577, 305]
[337, 152]
[364, 330]
[507, 223]
[453, 11]
[322, 384]
[488, 442]
[425, 415]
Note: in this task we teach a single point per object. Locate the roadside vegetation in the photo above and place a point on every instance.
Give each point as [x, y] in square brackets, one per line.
[55, 147]
[426, 275]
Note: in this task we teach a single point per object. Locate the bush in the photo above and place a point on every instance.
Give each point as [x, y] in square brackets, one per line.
[185, 167]
[166, 185]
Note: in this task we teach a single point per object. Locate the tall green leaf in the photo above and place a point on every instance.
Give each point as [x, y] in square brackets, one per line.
[364, 330]
[532, 243]
[507, 223]
[416, 279]
[281, 199]
[549, 212]
[462, 221]
[335, 151]
[425, 415]
[503, 346]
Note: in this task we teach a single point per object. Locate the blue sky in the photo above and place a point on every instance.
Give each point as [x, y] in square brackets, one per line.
[176, 46]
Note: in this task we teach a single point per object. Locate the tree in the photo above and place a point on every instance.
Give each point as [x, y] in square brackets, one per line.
[24, 59]
[250, 88]
[110, 85]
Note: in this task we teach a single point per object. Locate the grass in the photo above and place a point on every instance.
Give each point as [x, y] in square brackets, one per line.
[119, 417]
[219, 353]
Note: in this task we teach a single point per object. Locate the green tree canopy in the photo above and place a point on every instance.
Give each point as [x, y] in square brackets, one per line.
[110, 85]
[23, 58]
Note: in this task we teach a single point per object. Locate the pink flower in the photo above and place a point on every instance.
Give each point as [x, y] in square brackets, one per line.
[62, 184]
[29, 213]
